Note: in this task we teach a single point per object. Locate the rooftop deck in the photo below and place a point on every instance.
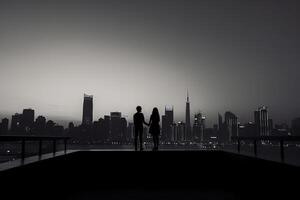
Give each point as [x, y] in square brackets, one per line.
[150, 175]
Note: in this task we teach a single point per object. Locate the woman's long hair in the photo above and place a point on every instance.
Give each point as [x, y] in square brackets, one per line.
[155, 114]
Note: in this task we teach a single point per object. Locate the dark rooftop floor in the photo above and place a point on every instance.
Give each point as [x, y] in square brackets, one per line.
[151, 175]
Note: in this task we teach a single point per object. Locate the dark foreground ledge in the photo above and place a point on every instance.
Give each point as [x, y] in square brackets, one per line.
[151, 175]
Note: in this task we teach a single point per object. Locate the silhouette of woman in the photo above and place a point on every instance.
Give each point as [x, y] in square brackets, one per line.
[154, 129]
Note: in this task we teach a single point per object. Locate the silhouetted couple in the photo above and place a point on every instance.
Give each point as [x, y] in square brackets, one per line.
[154, 129]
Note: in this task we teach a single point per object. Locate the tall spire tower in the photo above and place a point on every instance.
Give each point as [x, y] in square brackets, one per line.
[187, 117]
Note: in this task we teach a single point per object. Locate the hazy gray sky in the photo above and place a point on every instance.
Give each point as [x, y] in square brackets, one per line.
[231, 55]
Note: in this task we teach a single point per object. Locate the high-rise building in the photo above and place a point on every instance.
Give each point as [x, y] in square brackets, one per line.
[231, 124]
[198, 127]
[40, 124]
[296, 127]
[181, 131]
[124, 135]
[27, 119]
[106, 127]
[188, 118]
[116, 126]
[87, 116]
[130, 130]
[167, 121]
[270, 126]
[174, 132]
[247, 130]
[220, 121]
[16, 120]
[97, 132]
[261, 120]
[4, 126]
[50, 127]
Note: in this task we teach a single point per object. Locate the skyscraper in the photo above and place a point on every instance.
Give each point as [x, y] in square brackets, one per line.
[296, 127]
[231, 125]
[261, 120]
[106, 127]
[16, 122]
[174, 132]
[124, 135]
[181, 132]
[40, 125]
[167, 121]
[4, 126]
[116, 126]
[27, 120]
[220, 121]
[130, 130]
[87, 116]
[198, 127]
[187, 118]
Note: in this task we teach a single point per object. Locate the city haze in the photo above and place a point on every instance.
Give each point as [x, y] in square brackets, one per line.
[229, 55]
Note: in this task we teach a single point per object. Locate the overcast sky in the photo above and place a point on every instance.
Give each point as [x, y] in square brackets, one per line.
[230, 55]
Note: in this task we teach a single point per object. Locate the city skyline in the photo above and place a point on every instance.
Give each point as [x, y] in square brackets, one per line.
[230, 55]
[116, 129]
[88, 114]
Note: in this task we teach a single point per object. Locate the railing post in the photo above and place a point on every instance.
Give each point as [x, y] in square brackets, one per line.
[65, 141]
[239, 146]
[282, 150]
[40, 147]
[23, 149]
[255, 148]
[54, 146]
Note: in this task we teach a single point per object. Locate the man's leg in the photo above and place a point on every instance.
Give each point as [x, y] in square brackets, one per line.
[136, 133]
[141, 139]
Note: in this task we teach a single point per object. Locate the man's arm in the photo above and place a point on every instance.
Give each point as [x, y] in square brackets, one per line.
[144, 120]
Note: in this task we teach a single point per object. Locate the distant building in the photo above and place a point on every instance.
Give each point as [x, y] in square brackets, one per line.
[198, 127]
[188, 119]
[4, 125]
[71, 128]
[116, 126]
[96, 133]
[231, 125]
[174, 132]
[181, 132]
[210, 134]
[106, 127]
[16, 120]
[124, 135]
[247, 130]
[27, 120]
[261, 120]
[220, 121]
[40, 125]
[87, 116]
[50, 127]
[130, 130]
[281, 130]
[167, 121]
[270, 126]
[296, 127]
[58, 130]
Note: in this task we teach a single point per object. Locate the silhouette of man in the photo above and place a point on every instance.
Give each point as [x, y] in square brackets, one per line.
[139, 120]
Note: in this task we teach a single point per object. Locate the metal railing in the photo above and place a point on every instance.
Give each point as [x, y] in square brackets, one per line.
[40, 139]
[280, 139]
